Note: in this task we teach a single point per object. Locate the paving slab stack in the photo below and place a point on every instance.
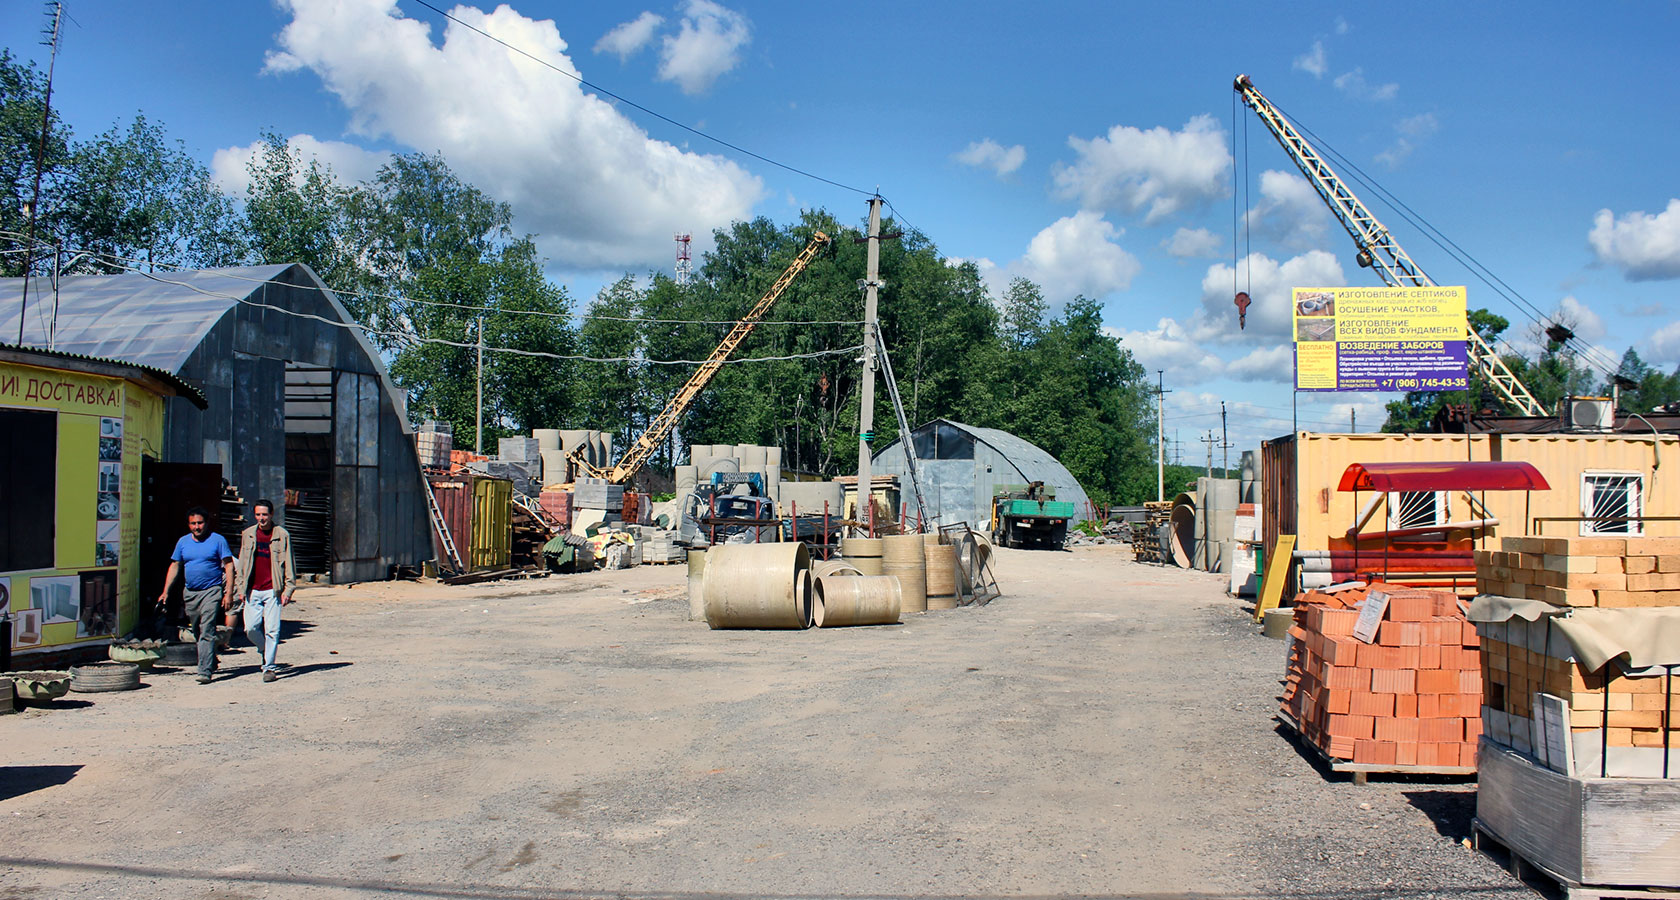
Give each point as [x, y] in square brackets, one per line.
[598, 493]
[1579, 767]
[1407, 696]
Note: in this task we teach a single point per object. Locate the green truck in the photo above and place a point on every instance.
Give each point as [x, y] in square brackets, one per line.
[1028, 515]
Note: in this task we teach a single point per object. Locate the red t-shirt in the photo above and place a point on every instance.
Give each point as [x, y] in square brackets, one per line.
[262, 565]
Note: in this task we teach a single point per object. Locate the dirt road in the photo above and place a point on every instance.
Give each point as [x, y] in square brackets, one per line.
[1104, 730]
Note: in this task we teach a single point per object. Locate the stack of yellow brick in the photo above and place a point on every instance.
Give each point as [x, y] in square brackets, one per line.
[1520, 658]
[1616, 573]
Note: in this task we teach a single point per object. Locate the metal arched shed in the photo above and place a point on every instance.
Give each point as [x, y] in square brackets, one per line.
[299, 401]
[962, 464]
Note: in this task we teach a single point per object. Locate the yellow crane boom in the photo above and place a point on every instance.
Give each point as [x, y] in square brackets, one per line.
[1377, 247]
[638, 453]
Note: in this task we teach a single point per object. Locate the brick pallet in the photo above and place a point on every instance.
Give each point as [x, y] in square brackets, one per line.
[1409, 701]
[1616, 573]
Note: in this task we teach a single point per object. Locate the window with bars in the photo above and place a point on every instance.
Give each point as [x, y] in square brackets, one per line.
[1613, 503]
[1416, 509]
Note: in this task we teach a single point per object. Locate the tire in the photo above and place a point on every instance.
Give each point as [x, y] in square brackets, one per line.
[101, 677]
[180, 654]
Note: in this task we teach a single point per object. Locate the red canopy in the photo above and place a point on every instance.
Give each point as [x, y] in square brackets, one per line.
[1443, 476]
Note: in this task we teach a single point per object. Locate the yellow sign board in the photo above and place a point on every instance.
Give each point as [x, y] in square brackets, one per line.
[1381, 339]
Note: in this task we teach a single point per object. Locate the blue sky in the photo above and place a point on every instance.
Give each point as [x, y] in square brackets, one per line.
[1088, 146]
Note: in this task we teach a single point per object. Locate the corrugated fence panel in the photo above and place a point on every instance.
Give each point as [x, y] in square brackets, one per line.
[492, 533]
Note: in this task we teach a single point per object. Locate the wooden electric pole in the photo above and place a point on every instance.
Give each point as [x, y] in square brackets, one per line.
[478, 426]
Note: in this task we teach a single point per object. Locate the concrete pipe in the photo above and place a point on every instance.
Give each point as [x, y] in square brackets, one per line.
[903, 555]
[757, 586]
[1222, 493]
[718, 465]
[607, 457]
[751, 456]
[696, 585]
[547, 438]
[686, 478]
[553, 467]
[773, 456]
[1182, 527]
[807, 591]
[833, 568]
[941, 576]
[571, 439]
[870, 600]
[863, 553]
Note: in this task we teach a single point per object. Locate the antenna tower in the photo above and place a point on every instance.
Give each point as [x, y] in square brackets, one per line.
[685, 263]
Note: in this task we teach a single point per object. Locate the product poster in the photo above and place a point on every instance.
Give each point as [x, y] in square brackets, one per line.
[109, 498]
[1381, 339]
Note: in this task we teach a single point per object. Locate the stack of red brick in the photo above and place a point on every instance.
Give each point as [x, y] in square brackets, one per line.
[1411, 697]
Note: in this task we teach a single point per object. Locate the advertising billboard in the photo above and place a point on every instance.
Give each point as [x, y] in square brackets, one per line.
[1381, 339]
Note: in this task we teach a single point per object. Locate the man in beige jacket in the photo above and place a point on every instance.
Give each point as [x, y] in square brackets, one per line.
[266, 581]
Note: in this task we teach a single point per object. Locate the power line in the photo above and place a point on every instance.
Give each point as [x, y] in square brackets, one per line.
[634, 105]
[124, 261]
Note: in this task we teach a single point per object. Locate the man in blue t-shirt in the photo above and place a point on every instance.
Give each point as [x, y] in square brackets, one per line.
[208, 562]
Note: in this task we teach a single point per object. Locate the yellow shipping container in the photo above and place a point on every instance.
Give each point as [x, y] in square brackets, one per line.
[1300, 473]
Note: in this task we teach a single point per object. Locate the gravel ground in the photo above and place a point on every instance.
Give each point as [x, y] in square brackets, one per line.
[1105, 729]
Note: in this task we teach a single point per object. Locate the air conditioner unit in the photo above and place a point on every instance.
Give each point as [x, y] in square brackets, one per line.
[1589, 414]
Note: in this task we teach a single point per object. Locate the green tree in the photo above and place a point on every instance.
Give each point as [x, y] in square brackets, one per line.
[296, 210]
[444, 258]
[1417, 411]
[1651, 390]
[22, 96]
[139, 200]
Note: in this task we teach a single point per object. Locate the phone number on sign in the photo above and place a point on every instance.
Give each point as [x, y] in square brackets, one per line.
[1431, 384]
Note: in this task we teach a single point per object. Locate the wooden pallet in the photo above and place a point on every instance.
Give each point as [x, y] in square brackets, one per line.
[1361, 772]
[1524, 869]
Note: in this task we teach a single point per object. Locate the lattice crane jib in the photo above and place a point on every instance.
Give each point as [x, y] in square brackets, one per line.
[1378, 249]
[660, 428]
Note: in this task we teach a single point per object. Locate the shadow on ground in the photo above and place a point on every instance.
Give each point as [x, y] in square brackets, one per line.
[15, 781]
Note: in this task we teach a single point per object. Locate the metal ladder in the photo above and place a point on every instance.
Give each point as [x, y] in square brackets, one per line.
[442, 528]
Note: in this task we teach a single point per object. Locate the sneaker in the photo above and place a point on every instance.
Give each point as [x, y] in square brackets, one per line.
[269, 676]
[203, 679]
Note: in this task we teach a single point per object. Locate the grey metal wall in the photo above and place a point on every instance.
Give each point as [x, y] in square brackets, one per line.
[379, 514]
[958, 485]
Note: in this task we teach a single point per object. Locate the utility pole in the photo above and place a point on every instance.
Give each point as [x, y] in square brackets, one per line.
[40, 160]
[1353, 420]
[478, 427]
[1209, 442]
[1224, 441]
[1160, 434]
[866, 412]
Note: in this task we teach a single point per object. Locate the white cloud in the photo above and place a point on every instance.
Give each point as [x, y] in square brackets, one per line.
[1312, 62]
[1289, 211]
[1354, 85]
[350, 163]
[1157, 172]
[1268, 284]
[1643, 246]
[1342, 26]
[989, 154]
[1170, 348]
[590, 184]
[1587, 325]
[1188, 243]
[707, 44]
[1275, 363]
[1662, 348]
[1078, 254]
[1411, 131]
[628, 38]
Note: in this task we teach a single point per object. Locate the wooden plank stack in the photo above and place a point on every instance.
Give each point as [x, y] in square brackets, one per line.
[1409, 699]
[1615, 573]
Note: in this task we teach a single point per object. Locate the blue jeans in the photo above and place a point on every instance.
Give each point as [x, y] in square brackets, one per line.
[262, 625]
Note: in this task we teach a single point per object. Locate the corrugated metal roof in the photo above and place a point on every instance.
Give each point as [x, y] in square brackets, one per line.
[150, 319]
[47, 359]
